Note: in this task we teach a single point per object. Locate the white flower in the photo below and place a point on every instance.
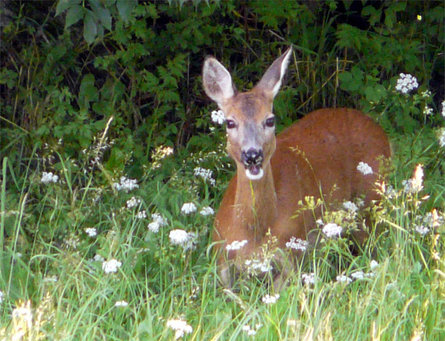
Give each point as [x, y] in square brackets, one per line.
[111, 266]
[350, 206]
[188, 208]
[49, 177]
[406, 83]
[415, 184]
[183, 238]
[442, 138]
[270, 299]
[126, 184]
[121, 304]
[204, 173]
[426, 94]
[23, 313]
[358, 275]
[443, 109]
[427, 111]
[158, 221]
[343, 279]
[207, 211]
[364, 168]
[218, 117]
[141, 215]
[98, 258]
[373, 265]
[1, 296]
[180, 327]
[297, 244]
[308, 278]
[332, 230]
[91, 231]
[251, 331]
[133, 202]
[422, 230]
[256, 266]
[236, 245]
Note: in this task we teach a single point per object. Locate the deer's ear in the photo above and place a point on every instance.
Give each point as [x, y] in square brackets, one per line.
[217, 81]
[271, 81]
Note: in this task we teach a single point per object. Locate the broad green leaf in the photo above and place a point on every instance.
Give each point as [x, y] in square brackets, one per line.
[63, 5]
[102, 13]
[74, 14]
[89, 28]
[125, 7]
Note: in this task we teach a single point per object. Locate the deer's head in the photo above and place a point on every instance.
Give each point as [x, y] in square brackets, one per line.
[250, 121]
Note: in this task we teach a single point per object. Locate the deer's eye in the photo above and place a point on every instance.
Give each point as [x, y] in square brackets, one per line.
[270, 122]
[230, 124]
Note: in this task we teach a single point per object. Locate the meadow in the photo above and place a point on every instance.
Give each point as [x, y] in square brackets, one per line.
[107, 212]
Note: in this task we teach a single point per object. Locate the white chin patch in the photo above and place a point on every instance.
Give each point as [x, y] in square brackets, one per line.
[251, 176]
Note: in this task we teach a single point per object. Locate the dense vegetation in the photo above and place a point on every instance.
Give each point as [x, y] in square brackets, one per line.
[106, 133]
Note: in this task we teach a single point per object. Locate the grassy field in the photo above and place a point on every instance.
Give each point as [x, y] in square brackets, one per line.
[92, 260]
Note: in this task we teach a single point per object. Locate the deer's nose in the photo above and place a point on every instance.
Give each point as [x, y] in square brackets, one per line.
[252, 157]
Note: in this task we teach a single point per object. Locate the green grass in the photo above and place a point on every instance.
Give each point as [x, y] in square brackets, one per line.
[47, 259]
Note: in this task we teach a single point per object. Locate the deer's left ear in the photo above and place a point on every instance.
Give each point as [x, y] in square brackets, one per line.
[217, 81]
[271, 81]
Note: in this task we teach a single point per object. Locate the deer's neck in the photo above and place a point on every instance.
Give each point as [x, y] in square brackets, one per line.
[256, 202]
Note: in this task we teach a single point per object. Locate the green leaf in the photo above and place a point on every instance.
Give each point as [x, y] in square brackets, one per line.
[74, 14]
[63, 5]
[102, 13]
[124, 7]
[89, 28]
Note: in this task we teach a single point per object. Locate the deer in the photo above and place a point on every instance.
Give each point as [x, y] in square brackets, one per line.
[315, 157]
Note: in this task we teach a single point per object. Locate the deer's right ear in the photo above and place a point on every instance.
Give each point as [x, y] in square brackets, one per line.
[217, 81]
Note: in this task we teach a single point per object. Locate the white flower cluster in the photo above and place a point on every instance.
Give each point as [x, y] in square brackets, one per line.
[415, 184]
[442, 138]
[297, 244]
[422, 230]
[158, 221]
[406, 83]
[256, 266]
[48, 177]
[91, 231]
[121, 304]
[1, 296]
[429, 222]
[183, 238]
[443, 109]
[98, 258]
[251, 331]
[218, 117]
[364, 168]
[141, 215]
[236, 245]
[205, 211]
[111, 266]
[204, 173]
[180, 327]
[308, 278]
[188, 208]
[23, 313]
[126, 184]
[427, 111]
[350, 206]
[133, 202]
[270, 299]
[343, 279]
[332, 230]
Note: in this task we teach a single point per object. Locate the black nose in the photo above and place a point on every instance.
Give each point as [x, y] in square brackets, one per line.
[252, 157]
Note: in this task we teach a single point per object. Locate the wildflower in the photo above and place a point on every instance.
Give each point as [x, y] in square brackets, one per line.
[427, 111]
[419, 17]
[188, 208]
[1, 296]
[182, 238]
[308, 278]
[126, 184]
[442, 137]
[270, 299]
[91, 231]
[180, 327]
[158, 221]
[350, 206]
[98, 258]
[406, 83]
[358, 275]
[364, 168]
[218, 117]
[49, 177]
[443, 109]
[297, 244]
[414, 185]
[255, 266]
[422, 230]
[121, 304]
[332, 230]
[111, 266]
[133, 202]
[236, 245]
[343, 279]
[373, 265]
[23, 313]
[251, 331]
[426, 94]
[204, 173]
[205, 211]
[141, 215]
